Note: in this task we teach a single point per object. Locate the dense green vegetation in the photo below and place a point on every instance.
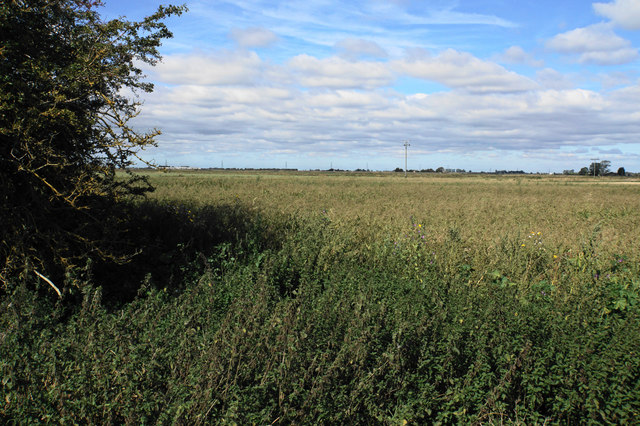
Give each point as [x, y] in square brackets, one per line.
[311, 298]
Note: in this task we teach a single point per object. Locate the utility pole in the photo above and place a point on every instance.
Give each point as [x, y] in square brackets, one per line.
[594, 165]
[406, 145]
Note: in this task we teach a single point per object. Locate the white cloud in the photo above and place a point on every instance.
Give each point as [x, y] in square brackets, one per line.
[226, 97]
[616, 79]
[461, 70]
[595, 44]
[570, 100]
[449, 16]
[517, 55]
[552, 79]
[626, 99]
[253, 37]
[220, 67]
[623, 13]
[347, 99]
[354, 48]
[339, 73]
[616, 57]
[597, 37]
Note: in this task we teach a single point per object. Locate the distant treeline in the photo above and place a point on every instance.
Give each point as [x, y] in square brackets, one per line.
[620, 172]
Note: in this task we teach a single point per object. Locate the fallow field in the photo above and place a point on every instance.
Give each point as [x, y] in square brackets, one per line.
[324, 298]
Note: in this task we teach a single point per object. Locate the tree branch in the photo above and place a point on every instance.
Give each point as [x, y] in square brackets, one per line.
[49, 282]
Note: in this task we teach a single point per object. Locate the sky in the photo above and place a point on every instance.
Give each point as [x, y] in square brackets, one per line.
[480, 85]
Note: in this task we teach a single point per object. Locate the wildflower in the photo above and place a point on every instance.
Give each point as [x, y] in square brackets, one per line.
[555, 256]
[523, 245]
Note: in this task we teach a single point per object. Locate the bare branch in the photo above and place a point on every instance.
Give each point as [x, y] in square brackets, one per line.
[49, 282]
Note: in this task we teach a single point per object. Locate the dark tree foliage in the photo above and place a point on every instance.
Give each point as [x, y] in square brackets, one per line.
[599, 169]
[65, 129]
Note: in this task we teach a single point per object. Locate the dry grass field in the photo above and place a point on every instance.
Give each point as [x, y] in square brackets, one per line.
[483, 209]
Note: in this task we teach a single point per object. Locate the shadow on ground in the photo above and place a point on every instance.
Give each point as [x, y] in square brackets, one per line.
[172, 243]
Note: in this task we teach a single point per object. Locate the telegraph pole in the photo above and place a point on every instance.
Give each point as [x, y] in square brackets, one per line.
[406, 145]
[594, 165]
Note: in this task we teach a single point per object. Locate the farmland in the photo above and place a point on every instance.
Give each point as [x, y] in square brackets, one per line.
[313, 298]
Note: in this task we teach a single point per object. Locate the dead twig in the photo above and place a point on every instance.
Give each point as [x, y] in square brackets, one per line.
[49, 282]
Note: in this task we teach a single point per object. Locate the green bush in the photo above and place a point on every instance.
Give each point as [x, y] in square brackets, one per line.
[316, 328]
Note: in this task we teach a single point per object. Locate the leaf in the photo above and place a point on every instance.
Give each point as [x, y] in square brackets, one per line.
[621, 304]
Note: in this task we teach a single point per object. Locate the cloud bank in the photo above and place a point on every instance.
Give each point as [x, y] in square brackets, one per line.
[333, 108]
[345, 83]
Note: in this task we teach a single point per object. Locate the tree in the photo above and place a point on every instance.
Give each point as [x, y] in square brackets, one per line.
[584, 171]
[621, 171]
[65, 128]
[599, 169]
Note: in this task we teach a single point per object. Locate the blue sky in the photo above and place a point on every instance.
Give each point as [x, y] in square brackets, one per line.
[478, 85]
